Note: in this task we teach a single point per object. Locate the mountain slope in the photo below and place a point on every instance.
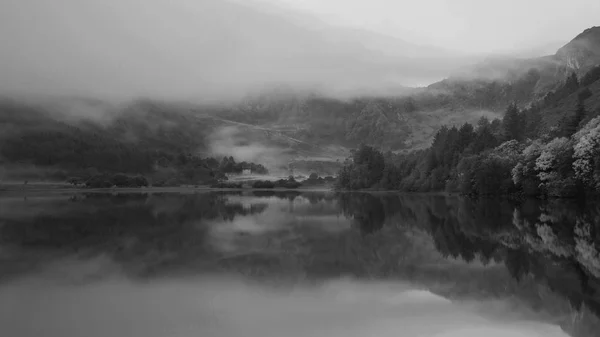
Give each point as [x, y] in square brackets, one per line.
[578, 56]
[554, 112]
[279, 125]
[408, 121]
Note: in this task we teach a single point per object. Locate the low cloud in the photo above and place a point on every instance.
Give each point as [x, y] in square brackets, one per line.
[233, 141]
[201, 50]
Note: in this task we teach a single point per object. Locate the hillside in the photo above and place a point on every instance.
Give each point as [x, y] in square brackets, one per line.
[553, 113]
[409, 121]
[281, 125]
[548, 149]
[578, 56]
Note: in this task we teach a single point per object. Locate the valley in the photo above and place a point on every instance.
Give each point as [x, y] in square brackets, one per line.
[285, 129]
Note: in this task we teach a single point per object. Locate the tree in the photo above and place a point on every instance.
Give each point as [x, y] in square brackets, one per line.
[74, 181]
[466, 134]
[364, 171]
[587, 153]
[579, 114]
[554, 167]
[120, 180]
[139, 181]
[524, 175]
[227, 165]
[511, 123]
[532, 119]
[372, 161]
[391, 177]
[569, 125]
[492, 177]
[484, 138]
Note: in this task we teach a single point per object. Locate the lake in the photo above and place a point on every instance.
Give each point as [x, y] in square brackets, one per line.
[295, 264]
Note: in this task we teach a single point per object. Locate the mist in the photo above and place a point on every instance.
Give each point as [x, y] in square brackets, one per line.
[201, 50]
[232, 141]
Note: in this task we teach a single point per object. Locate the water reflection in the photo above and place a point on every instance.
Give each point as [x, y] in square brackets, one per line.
[540, 256]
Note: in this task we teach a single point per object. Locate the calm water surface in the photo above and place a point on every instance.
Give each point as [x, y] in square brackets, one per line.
[266, 264]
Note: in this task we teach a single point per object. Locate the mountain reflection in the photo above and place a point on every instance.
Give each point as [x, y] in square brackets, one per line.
[543, 254]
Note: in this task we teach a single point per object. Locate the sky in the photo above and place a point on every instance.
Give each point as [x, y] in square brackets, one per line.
[216, 50]
[478, 26]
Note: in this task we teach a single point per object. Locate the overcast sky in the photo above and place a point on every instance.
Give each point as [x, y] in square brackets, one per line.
[469, 25]
[220, 49]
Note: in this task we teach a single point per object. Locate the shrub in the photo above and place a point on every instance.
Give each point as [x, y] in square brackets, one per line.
[99, 181]
[120, 180]
[138, 181]
[283, 183]
[159, 183]
[226, 185]
[263, 184]
[75, 181]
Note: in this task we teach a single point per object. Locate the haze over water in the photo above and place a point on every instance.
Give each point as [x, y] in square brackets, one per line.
[295, 264]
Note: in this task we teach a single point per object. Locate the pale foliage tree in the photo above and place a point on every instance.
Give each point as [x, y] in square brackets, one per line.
[587, 153]
[551, 154]
[509, 149]
[526, 165]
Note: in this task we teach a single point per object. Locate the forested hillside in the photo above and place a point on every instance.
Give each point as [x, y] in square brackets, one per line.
[551, 148]
[162, 140]
[410, 121]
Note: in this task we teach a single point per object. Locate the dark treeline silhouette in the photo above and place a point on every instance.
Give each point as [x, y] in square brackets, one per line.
[512, 155]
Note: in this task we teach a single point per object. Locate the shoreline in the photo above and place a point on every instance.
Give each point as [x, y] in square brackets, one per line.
[181, 189]
[59, 187]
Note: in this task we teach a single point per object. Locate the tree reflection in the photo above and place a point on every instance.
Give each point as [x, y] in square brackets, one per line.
[520, 249]
[366, 209]
[285, 195]
[126, 227]
[555, 243]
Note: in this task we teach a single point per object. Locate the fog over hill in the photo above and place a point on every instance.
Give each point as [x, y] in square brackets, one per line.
[169, 79]
[199, 50]
[215, 51]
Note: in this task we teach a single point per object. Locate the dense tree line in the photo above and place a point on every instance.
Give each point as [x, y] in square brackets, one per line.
[513, 155]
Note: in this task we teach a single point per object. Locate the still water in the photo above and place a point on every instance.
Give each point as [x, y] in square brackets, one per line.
[270, 264]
